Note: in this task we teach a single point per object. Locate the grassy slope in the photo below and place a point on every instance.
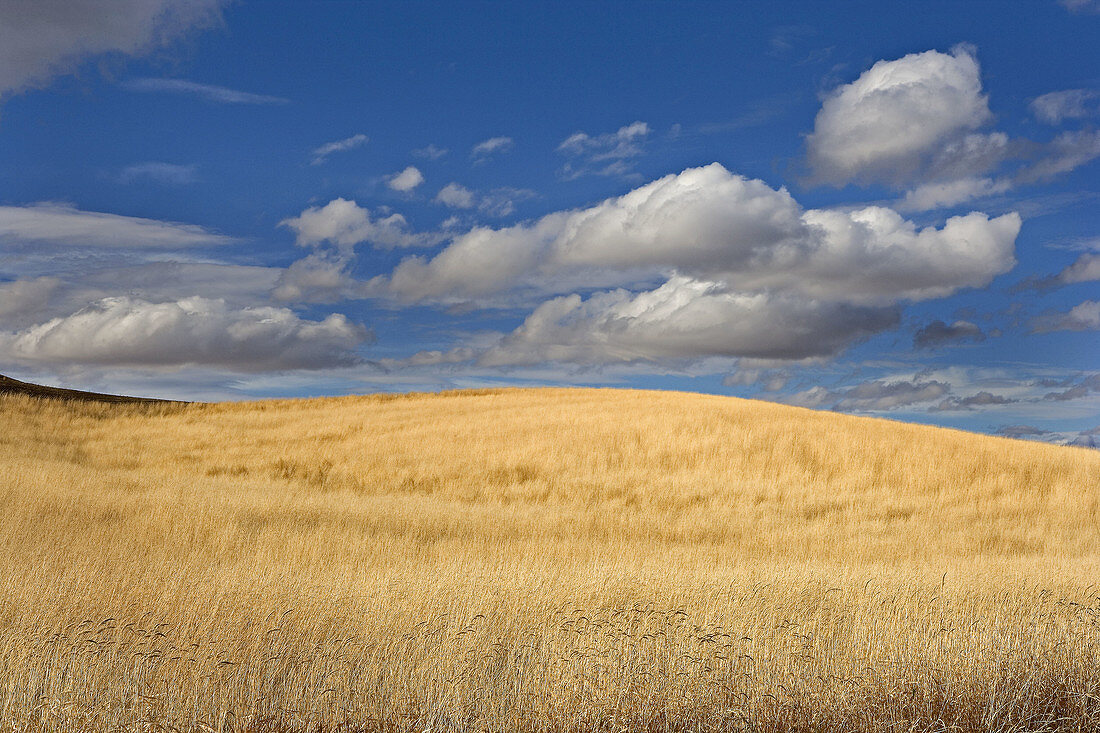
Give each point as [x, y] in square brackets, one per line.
[542, 560]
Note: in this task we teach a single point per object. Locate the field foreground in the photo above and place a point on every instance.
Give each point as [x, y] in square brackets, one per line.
[539, 560]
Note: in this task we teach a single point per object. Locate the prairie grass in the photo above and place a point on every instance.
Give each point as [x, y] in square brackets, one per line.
[539, 560]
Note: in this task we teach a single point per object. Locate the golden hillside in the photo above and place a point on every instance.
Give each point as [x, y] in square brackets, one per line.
[550, 559]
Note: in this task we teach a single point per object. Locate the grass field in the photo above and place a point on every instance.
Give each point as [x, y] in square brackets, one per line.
[539, 560]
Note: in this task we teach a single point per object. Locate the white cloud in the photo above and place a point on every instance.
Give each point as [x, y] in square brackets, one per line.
[499, 202]
[430, 152]
[1082, 317]
[489, 147]
[1085, 269]
[345, 224]
[321, 277]
[605, 154]
[129, 332]
[684, 319]
[22, 297]
[889, 123]
[712, 225]
[406, 180]
[41, 39]
[1053, 107]
[1067, 151]
[159, 172]
[945, 194]
[320, 154]
[456, 196]
[208, 92]
[61, 224]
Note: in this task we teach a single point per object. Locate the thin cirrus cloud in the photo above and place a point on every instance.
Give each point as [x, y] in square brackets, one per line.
[206, 92]
[64, 225]
[493, 146]
[430, 152]
[321, 153]
[42, 39]
[122, 331]
[1054, 107]
[159, 172]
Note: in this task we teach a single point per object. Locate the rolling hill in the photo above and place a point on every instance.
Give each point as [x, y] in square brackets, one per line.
[539, 559]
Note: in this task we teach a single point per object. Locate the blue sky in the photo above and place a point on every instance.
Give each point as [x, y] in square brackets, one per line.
[879, 208]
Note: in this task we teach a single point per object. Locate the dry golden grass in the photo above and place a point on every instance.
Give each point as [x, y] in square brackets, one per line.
[539, 560]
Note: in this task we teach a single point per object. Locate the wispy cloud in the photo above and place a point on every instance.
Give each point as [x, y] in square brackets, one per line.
[494, 145]
[320, 154]
[159, 172]
[208, 92]
[430, 152]
[608, 154]
[65, 225]
[42, 39]
[1054, 107]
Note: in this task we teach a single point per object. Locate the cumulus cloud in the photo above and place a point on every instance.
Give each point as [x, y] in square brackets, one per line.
[889, 124]
[321, 277]
[938, 333]
[1054, 107]
[712, 225]
[129, 332]
[345, 224]
[456, 196]
[1082, 317]
[406, 180]
[683, 319]
[605, 155]
[206, 92]
[41, 39]
[487, 148]
[321, 153]
[61, 224]
[160, 173]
